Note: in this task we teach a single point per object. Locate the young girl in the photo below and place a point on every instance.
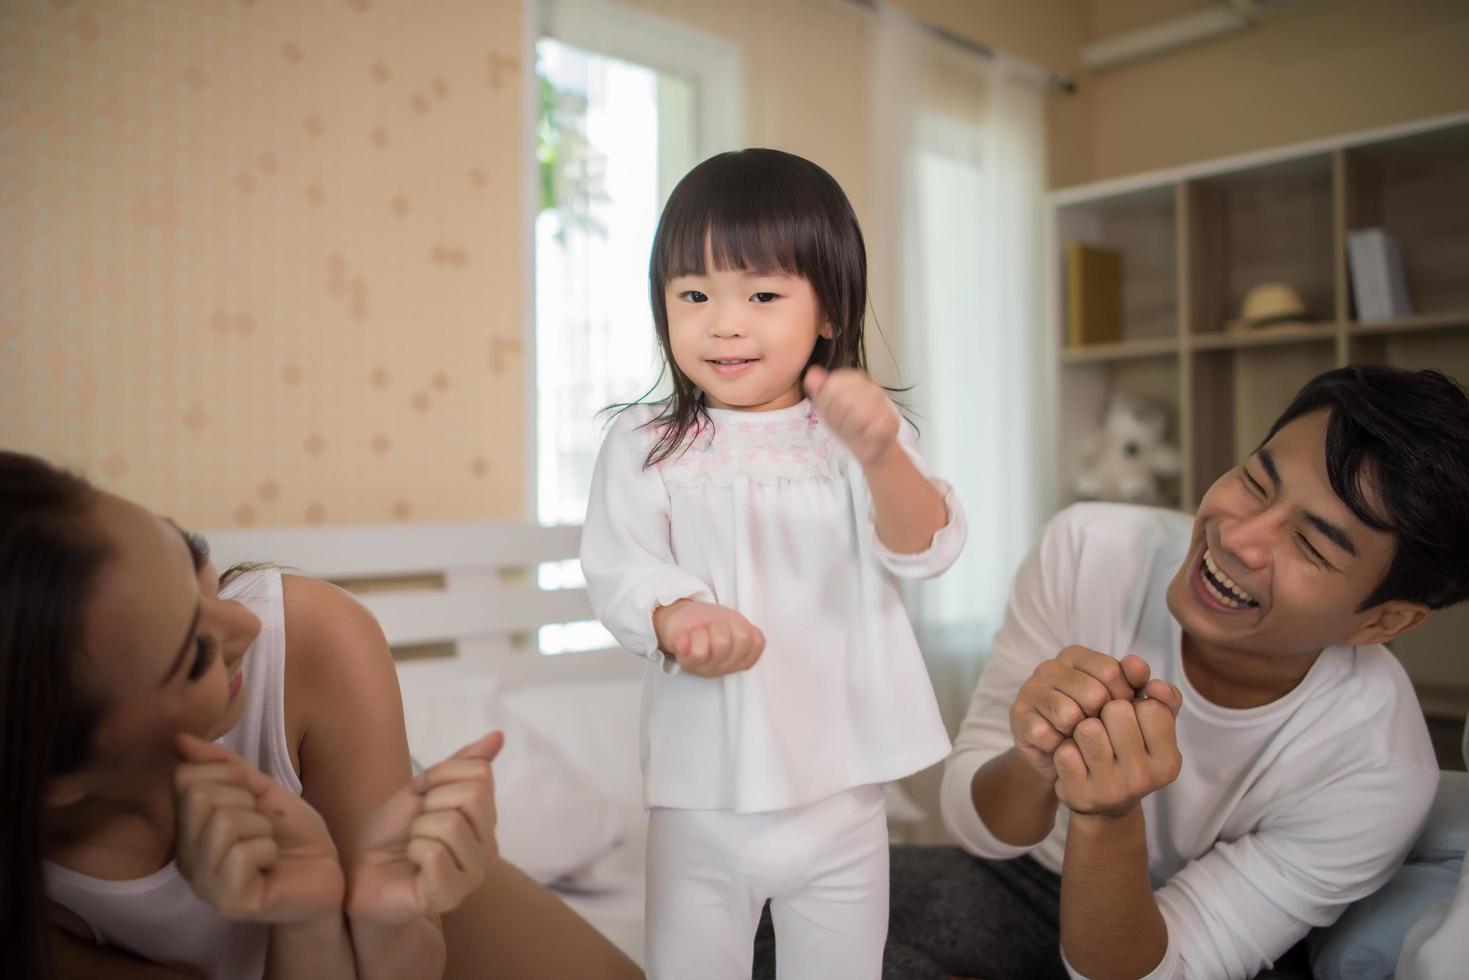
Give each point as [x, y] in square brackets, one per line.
[747, 540]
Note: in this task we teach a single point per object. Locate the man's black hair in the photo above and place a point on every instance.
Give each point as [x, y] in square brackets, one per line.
[1403, 437]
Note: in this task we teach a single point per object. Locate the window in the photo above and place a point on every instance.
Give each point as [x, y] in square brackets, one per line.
[624, 109]
[971, 280]
[607, 128]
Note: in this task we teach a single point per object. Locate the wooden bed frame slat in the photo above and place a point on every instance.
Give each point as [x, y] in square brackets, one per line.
[480, 611]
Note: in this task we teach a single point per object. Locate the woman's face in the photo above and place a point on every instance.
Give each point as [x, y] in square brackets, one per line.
[162, 651]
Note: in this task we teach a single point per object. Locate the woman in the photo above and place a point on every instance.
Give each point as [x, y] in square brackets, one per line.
[158, 729]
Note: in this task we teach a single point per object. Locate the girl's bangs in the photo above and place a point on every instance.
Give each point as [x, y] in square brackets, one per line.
[739, 237]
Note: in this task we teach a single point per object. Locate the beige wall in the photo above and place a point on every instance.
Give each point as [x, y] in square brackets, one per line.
[261, 262]
[1047, 32]
[819, 111]
[1318, 68]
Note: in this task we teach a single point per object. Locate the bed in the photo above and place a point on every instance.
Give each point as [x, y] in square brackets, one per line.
[461, 605]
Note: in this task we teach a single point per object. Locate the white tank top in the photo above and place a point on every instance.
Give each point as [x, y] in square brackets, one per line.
[159, 917]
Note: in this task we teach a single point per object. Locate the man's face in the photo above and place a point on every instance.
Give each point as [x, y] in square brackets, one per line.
[1279, 564]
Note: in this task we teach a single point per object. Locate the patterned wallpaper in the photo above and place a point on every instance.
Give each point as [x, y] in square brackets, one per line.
[261, 261]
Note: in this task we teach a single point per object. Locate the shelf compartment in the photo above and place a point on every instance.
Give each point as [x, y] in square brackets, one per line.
[1234, 398]
[1417, 188]
[1269, 224]
[1270, 337]
[1422, 323]
[1416, 350]
[1122, 351]
[1141, 228]
[1194, 239]
[1086, 388]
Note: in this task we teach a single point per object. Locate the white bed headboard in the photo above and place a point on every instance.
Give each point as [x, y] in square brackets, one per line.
[488, 607]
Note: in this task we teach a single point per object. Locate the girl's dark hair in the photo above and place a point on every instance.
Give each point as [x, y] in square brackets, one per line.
[764, 210]
[1404, 435]
[49, 556]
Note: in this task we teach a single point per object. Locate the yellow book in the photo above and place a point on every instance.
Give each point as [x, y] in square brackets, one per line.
[1093, 295]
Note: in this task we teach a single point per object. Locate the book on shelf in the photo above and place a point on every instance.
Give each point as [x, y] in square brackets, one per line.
[1379, 290]
[1093, 295]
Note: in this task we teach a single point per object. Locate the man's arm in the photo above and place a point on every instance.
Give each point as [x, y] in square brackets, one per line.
[1110, 923]
[1111, 926]
[1017, 803]
[991, 803]
[1241, 905]
[1238, 907]
[1015, 793]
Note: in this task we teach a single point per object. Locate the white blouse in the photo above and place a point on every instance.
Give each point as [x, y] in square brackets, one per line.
[766, 513]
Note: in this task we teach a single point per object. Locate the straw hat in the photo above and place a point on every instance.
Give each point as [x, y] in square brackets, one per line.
[1271, 304]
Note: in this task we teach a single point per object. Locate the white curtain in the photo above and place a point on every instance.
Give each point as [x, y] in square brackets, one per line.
[960, 138]
[941, 149]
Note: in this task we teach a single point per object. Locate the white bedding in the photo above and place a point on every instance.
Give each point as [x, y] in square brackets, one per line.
[568, 787]
[582, 781]
[596, 723]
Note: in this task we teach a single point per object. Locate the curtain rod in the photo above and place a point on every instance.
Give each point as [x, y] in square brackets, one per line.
[1054, 80]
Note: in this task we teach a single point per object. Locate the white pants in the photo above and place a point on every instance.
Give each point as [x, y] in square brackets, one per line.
[824, 868]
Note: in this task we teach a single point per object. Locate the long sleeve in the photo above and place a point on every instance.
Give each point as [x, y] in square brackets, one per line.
[626, 553]
[1035, 629]
[1238, 908]
[948, 541]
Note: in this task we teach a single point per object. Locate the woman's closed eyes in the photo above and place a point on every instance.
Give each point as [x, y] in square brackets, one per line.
[204, 648]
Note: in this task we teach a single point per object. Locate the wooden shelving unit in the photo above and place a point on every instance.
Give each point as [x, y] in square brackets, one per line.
[1121, 351]
[1314, 333]
[1412, 324]
[1193, 241]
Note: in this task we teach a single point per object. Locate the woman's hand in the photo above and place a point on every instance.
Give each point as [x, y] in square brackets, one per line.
[247, 845]
[426, 848]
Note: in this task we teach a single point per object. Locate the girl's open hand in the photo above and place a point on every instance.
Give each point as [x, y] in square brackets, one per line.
[857, 409]
[426, 848]
[247, 845]
[706, 639]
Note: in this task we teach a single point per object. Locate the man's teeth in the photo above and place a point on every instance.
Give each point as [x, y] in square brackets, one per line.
[1231, 595]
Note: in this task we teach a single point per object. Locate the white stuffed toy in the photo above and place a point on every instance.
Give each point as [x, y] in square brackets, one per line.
[1125, 460]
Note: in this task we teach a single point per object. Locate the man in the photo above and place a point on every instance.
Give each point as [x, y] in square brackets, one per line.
[1190, 746]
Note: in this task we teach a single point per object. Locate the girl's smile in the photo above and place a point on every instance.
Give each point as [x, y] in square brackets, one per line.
[732, 367]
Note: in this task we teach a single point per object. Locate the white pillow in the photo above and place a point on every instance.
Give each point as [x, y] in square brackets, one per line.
[552, 818]
[595, 722]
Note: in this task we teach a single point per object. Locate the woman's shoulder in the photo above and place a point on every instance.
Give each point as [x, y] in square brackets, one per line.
[337, 657]
[322, 618]
[315, 607]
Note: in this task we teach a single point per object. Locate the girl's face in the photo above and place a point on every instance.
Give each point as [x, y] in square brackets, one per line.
[162, 650]
[744, 337]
